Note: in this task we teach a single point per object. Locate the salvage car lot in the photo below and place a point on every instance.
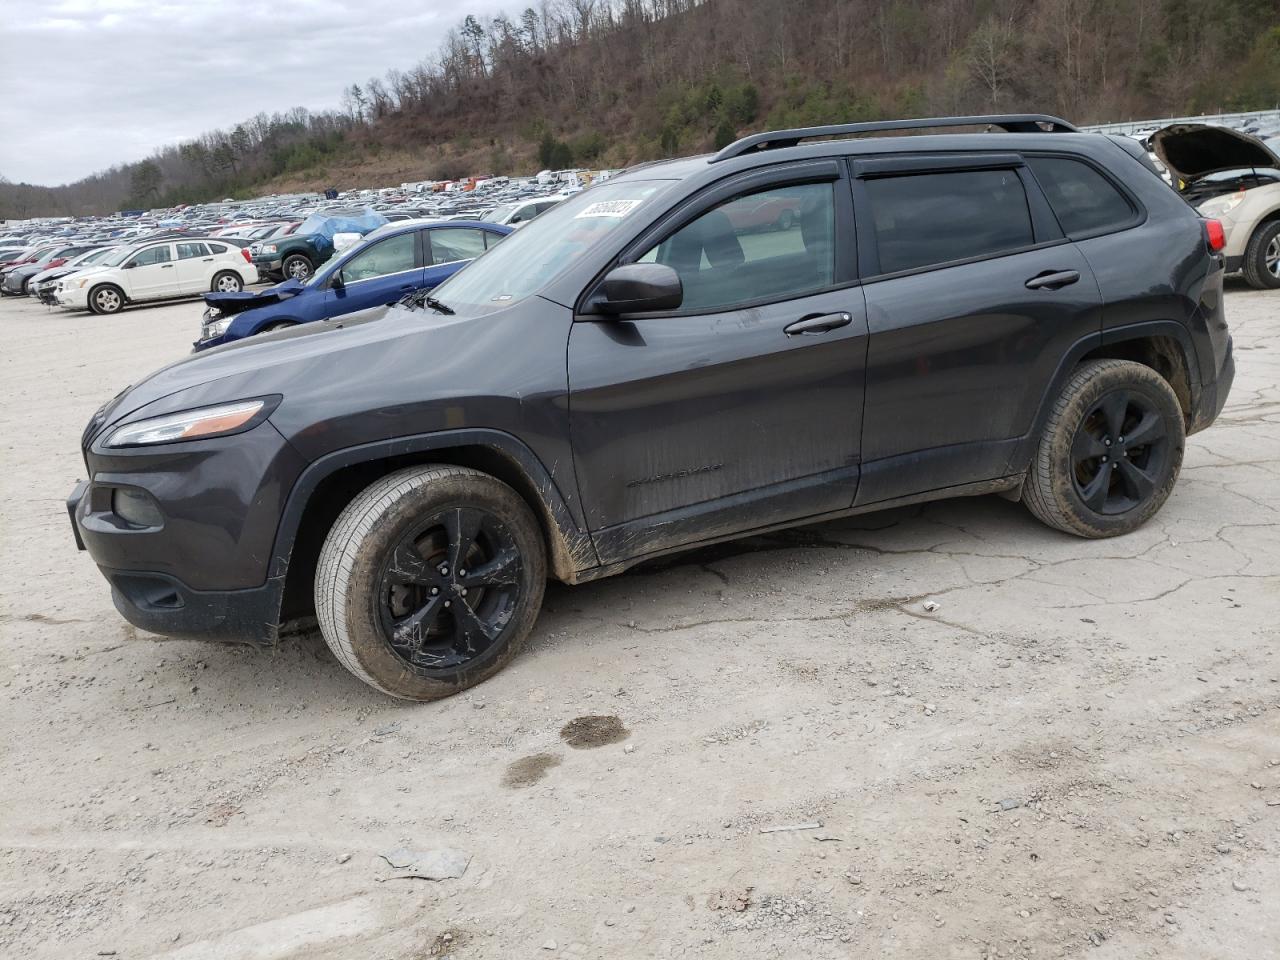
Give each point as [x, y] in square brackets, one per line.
[1077, 747]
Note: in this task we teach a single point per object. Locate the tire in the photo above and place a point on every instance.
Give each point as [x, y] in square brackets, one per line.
[383, 575]
[786, 220]
[1076, 481]
[106, 299]
[1261, 264]
[227, 281]
[296, 267]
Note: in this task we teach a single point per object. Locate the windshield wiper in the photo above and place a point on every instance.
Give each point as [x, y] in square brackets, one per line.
[422, 298]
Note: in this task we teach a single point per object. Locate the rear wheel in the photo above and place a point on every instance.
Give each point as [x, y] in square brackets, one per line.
[106, 299]
[1110, 452]
[430, 580]
[228, 282]
[296, 267]
[1261, 265]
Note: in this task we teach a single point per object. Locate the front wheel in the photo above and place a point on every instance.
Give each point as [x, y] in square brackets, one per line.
[1110, 452]
[430, 580]
[227, 282]
[106, 299]
[296, 267]
[1261, 265]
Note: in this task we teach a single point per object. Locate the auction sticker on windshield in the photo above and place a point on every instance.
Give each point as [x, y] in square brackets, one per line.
[608, 208]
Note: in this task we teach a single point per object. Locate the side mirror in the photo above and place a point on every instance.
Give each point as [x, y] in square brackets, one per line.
[128, 264]
[639, 288]
[336, 280]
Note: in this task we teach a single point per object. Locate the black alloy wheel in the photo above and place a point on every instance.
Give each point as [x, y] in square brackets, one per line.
[1120, 453]
[449, 588]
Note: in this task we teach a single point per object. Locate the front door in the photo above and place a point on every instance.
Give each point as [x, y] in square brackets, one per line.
[152, 274]
[743, 407]
[378, 275]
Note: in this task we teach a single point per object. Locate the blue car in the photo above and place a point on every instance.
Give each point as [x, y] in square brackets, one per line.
[389, 263]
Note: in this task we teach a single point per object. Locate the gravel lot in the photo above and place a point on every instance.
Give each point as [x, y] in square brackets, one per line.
[1076, 753]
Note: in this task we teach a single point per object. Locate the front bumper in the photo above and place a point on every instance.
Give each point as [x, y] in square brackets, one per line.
[267, 265]
[202, 570]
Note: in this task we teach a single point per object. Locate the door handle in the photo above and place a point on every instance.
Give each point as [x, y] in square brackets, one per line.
[818, 323]
[207, 260]
[166, 266]
[1053, 279]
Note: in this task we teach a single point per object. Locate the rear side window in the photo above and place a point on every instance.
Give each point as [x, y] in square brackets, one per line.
[451, 244]
[1084, 201]
[187, 251]
[938, 217]
[217, 248]
[773, 244]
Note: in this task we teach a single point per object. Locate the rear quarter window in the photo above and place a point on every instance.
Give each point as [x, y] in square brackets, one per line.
[1084, 201]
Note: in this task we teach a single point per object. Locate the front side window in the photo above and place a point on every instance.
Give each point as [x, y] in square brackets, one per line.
[769, 245]
[451, 244]
[933, 218]
[153, 255]
[1083, 200]
[187, 251]
[393, 255]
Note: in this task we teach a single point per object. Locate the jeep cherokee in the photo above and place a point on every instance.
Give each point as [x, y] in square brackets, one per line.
[1032, 312]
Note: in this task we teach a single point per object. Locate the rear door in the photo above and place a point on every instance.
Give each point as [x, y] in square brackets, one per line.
[378, 275]
[973, 297]
[726, 415]
[194, 267]
[152, 274]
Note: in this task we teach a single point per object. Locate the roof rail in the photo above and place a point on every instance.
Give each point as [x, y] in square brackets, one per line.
[1011, 122]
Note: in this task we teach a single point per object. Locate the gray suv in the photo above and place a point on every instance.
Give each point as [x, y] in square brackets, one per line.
[654, 365]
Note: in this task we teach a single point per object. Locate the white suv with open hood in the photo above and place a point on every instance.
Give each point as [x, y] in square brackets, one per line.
[1233, 178]
[157, 270]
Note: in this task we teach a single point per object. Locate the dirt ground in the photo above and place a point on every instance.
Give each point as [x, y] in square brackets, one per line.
[1076, 754]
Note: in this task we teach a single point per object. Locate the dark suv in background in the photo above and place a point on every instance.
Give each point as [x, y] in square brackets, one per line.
[1032, 312]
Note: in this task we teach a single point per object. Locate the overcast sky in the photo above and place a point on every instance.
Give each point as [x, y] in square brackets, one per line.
[85, 84]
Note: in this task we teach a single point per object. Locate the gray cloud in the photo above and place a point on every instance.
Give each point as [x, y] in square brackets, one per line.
[85, 84]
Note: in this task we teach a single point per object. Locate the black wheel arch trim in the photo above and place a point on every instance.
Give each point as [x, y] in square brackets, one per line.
[1111, 336]
[570, 551]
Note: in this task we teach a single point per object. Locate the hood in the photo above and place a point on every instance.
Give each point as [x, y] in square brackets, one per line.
[1194, 150]
[253, 366]
[232, 303]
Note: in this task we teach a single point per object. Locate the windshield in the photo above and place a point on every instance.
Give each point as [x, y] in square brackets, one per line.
[118, 257]
[523, 263]
[98, 256]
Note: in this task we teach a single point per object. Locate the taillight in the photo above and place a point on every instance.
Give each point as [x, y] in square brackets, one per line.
[244, 252]
[1214, 235]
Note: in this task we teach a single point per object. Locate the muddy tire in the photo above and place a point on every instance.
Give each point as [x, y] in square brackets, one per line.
[1110, 452]
[106, 299]
[296, 267]
[430, 580]
[1261, 264]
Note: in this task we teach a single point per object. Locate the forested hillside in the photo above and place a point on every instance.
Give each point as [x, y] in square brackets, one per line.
[612, 82]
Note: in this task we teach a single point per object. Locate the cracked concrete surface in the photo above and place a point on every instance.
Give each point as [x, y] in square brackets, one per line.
[1076, 754]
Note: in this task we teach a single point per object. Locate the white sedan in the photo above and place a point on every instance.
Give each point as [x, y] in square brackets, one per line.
[157, 270]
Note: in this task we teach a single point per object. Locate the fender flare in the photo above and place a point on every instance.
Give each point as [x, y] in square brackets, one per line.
[571, 549]
[1110, 336]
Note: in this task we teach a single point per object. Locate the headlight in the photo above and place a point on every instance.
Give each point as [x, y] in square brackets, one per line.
[196, 424]
[268, 248]
[1220, 205]
[215, 328]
